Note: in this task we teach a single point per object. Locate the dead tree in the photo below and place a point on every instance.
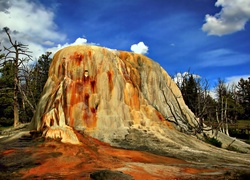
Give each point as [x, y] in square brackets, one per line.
[18, 55]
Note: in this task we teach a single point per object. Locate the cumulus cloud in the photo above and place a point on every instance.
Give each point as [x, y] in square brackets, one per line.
[78, 41]
[139, 48]
[179, 77]
[233, 17]
[33, 22]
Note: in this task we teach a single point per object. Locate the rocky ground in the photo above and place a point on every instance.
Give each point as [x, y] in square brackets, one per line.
[25, 157]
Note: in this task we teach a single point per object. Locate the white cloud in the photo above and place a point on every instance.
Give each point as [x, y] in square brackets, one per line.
[236, 79]
[179, 77]
[48, 43]
[139, 48]
[78, 41]
[212, 93]
[232, 17]
[32, 23]
[222, 57]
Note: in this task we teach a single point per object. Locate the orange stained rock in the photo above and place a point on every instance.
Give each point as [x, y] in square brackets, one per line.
[159, 115]
[77, 57]
[78, 161]
[196, 171]
[8, 151]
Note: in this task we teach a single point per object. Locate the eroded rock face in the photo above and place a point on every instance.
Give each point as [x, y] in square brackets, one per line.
[106, 93]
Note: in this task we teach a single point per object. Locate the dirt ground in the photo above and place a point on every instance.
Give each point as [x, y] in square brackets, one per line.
[25, 157]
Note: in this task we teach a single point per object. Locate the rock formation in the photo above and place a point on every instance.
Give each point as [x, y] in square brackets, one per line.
[118, 97]
[107, 92]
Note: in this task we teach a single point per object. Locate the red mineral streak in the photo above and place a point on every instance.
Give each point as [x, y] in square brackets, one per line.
[93, 86]
[8, 151]
[78, 57]
[161, 118]
[86, 99]
[110, 79]
[200, 170]
[93, 110]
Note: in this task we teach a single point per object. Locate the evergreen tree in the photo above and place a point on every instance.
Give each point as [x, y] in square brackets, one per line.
[190, 93]
[195, 92]
[38, 76]
[243, 93]
[6, 94]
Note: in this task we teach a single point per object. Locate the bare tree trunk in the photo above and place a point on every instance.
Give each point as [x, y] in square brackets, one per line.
[225, 116]
[25, 98]
[199, 103]
[217, 119]
[16, 107]
[222, 116]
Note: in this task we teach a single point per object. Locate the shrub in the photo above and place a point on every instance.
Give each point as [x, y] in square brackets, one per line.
[213, 141]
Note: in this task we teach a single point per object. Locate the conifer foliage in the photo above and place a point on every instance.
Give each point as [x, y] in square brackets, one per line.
[232, 102]
[243, 93]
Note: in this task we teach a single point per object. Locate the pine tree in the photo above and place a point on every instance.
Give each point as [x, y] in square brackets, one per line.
[6, 94]
[38, 76]
[190, 93]
[243, 92]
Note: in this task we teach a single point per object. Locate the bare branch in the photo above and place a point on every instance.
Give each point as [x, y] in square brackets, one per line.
[24, 97]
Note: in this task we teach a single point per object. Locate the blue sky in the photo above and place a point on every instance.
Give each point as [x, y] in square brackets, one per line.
[209, 37]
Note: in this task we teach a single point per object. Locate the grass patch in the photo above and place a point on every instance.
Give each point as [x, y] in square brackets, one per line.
[243, 122]
[240, 124]
[213, 141]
